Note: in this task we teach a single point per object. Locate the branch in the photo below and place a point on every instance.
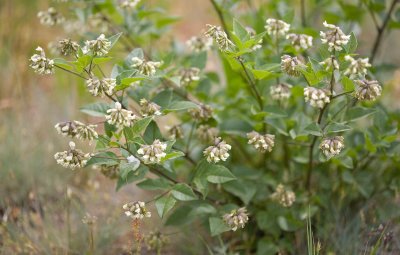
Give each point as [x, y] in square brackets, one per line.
[252, 84]
[221, 17]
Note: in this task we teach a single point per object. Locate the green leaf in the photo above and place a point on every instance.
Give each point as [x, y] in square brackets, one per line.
[348, 85]
[314, 129]
[103, 158]
[113, 39]
[154, 184]
[219, 174]
[289, 224]
[217, 226]
[152, 132]
[96, 109]
[337, 127]
[180, 105]
[164, 205]
[245, 190]
[100, 60]
[125, 168]
[173, 155]
[139, 126]
[352, 44]
[240, 31]
[63, 63]
[132, 176]
[359, 112]
[263, 74]
[183, 192]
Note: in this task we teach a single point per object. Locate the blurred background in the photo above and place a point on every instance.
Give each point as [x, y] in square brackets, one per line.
[41, 203]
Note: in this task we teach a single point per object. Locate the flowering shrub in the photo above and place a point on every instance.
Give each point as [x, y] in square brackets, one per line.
[243, 153]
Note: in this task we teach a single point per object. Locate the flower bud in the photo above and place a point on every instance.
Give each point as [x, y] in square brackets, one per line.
[219, 151]
[332, 146]
[367, 90]
[236, 218]
[316, 97]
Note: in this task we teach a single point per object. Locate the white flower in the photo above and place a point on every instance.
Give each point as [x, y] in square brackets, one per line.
[290, 65]
[236, 218]
[334, 37]
[135, 162]
[129, 4]
[175, 132]
[252, 33]
[332, 146]
[218, 151]
[300, 41]
[330, 63]
[199, 44]
[220, 37]
[280, 91]
[101, 87]
[120, 117]
[202, 112]
[136, 210]
[99, 46]
[41, 64]
[148, 108]
[144, 67]
[154, 153]
[367, 90]
[206, 134]
[316, 97]
[189, 75]
[283, 196]
[50, 17]
[77, 129]
[276, 27]
[262, 143]
[68, 47]
[357, 67]
[73, 158]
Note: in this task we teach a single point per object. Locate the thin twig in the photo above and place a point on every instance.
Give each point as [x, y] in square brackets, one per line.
[221, 17]
[72, 72]
[252, 85]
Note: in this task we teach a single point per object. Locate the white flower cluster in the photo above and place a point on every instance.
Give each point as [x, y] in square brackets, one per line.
[332, 146]
[73, 158]
[252, 33]
[189, 75]
[77, 129]
[175, 132]
[236, 218]
[367, 90]
[283, 196]
[154, 153]
[99, 47]
[136, 210]
[101, 87]
[148, 108]
[330, 63]
[280, 91]
[129, 4]
[68, 47]
[334, 37]
[199, 44]
[206, 134]
[290, 65]
[357, 67]
[50, 17]
[203, 112]
[316, 97]
[89, 219]
[218, 151]
[220, 37]
[120, 117]
[276, 27]
[300, 41]
[40, 64]
[144, 67]
[262, 143]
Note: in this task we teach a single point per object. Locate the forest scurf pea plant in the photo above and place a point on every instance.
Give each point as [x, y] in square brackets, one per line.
[240, 157]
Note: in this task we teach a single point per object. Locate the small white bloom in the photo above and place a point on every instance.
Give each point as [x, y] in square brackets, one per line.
[175, 132]
[129, 4]
[262, 143]
[50, 17]
[99, 47]
[252, 33]
[220, 37]
[357, 67]
[101, 87]
[334, 37]
[290, 65]
[135, 162]
[73, 158]
[199, 44]
[236, 218]
[283, 196]
[68, 47]
[40, 64]
[316, 97]
[218, 151]
[77, 129]
[276, 27]
[203, 112]
[206, 134]
[367, 90]
[189, 75]
[300, 41]
[280, 91]
[332, 146]
[144, 67]
[120, 117]
[154, 153]
[330, 63]
[148, 108]
[136, 210]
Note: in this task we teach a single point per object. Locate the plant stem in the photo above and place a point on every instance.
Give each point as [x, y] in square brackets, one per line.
[72, 72]
[303, 12]
[381, 29]
[221, 17]
[252, 85]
